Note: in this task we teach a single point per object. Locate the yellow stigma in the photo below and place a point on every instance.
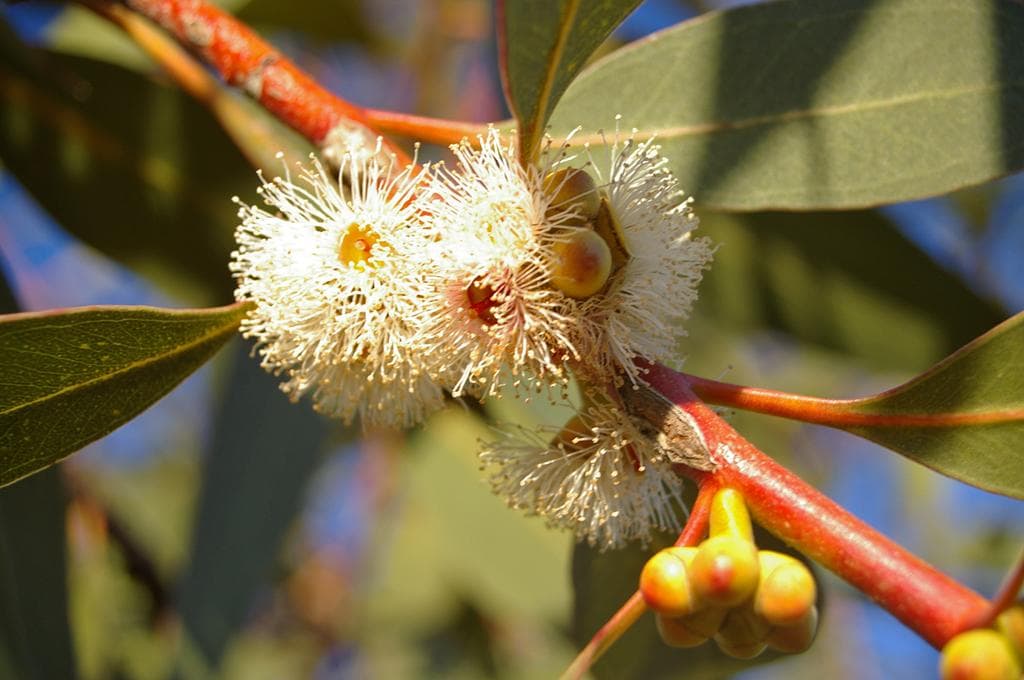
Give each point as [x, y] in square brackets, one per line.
[357, 245]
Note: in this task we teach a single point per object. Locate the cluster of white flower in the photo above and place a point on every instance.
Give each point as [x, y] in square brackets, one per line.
[377, 295]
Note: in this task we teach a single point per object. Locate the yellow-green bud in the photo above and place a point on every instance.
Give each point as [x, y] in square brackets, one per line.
[582, 264]
[665, 585]
[725, 571]
[569, 189]
[796, 637]
[785, 591]
[981, 654]
[674, 633]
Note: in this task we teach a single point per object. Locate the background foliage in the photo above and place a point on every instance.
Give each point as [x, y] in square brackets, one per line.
[226, 529]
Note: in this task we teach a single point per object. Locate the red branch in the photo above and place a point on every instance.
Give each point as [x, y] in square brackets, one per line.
[1007, 595]
[245, 60]
[838, 413]
[924, 599]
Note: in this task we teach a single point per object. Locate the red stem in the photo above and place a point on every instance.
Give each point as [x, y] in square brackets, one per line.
[633, 608]
[245, 60]
[1007, 595]
[840, 413]
[433, 130]
[924, 599]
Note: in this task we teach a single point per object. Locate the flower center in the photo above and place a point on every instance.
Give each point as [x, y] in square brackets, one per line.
[481, 301]
[357, 246]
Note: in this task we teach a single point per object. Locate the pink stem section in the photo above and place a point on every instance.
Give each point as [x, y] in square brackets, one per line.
[927, 601]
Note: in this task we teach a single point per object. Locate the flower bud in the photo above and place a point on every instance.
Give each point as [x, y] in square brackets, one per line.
[665, 585]
[740, 650]
[742, 627]
[981, 654]
[796, 637]
[705, 622]
[674, 633]
[785, 590]
[729, 516]
[569, 189]
[1011, 624]
[725, 571]
[582, 264]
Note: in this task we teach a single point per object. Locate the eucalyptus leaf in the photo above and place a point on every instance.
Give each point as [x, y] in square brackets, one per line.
[543, 45]
[262, 454]
[72, 376]
[964, 417]
[808, 105]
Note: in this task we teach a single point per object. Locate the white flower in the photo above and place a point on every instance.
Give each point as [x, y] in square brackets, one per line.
[648, 296]
[334, 283]
[599, 477]
[494, 308]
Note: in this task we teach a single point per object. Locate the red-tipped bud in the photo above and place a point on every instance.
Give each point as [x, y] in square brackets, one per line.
[981, 654]
[725, 571]
[785, 591]
[582, 264]
[674, 633]
[665, 585]
[797, 637]
[569, 189]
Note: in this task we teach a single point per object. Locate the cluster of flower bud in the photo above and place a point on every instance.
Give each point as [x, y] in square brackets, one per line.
[725, 588]
[987, 653]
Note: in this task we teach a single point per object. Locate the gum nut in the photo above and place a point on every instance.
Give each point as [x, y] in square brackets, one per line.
[743, 627]
[796, 637]
[572, 189]
[674, 633]
[705, 621]
[665, 585]
[725, 571]
[1011, 624]
[981, 654]
[582, 264]
[786, 590]
[740, 651]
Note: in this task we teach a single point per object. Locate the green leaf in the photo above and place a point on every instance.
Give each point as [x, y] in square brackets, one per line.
[543, 45]
[964, 417]
[262, 454]
[840, 280]
[808, 105]
[72, 376]
[130, 165]
[35, 640]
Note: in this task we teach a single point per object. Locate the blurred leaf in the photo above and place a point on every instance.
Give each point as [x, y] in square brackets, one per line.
[35, 641]
[261, 456]
[543, 45]
[843, 281]
[808, 105]
[72, 376]
[132, 167]
[341, 20]
[966, 414]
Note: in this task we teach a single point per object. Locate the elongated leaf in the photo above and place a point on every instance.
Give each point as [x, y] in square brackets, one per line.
[543, 45]
[964, 417]
[35, 641]
[72, 376]
[841, 280]
[262, 454]
[809, 105]
[128, 164]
